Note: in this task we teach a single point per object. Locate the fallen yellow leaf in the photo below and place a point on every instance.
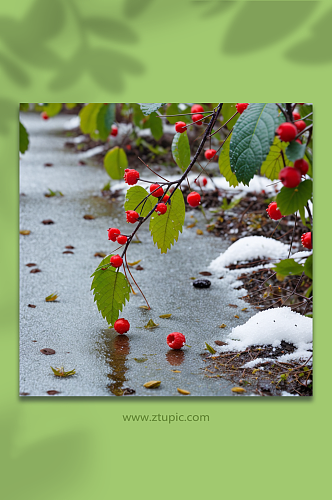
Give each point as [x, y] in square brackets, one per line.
[165, 316]
[176, 371]
[222, 326]
[153, 384]
[238, 389]
[182, 391]
[134, 263]
[52, 297]
[199, 231]
[25, 232]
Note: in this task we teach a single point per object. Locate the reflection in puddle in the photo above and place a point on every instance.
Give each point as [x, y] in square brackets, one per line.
[175, 358]
[116, 353]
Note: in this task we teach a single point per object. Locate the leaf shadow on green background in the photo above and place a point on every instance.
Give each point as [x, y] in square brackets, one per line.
[134, 8]
[259, 25]
[213, 8]
[316, 48]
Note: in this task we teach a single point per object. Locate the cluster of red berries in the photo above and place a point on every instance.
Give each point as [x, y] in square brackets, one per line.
[197, 118]
[291, 176]
[114, 234]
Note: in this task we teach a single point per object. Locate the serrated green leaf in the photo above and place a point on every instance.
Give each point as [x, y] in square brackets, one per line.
[228, 110]
[105, 120]
[308, 267]
[111, 290]
[88, 116]
[134, 196]
[225, 166]
[252, 137]
[295, 151]
[290, 200]
[148, 108]
[288, 267]
[181, 150]
[115, 162]
[53, 108]
[156, 126]
[165, 228]
[24, 138]
[274, 161]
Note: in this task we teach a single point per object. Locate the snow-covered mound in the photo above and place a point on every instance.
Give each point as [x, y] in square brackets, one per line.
[270, 327]
[250, 248]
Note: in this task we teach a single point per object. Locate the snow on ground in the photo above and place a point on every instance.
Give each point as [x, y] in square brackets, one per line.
[270, 327]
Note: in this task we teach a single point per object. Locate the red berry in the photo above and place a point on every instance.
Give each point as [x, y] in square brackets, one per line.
[180, 127]
[290, 177]
[122, 239]
[300, 125]
[131, 176]
[201, 182]
[197, 119]
[165, 198]
[273, 211]
[113, 232]
[121, 326]
[128, 147]
[114, 131]
[287, 132]
[176, 340]
[161, 208]
[306, 240]
[296, 115]
[116, 260]
[298, 140]
[241, 106]
[194, 199]
[197, 108]
[159, 192]
[302, 166]
[44, 115]
[301, 103]
[210, 153]
[132, 216]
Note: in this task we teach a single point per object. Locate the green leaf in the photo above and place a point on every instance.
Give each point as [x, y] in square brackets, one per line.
[156, 126]
[308, 267]
[88, 116]
[24, 106]
[228, 110]
[210, 349]
[151, 324]
[148, 108]
[111, 290]
[53, 108]
[288, 267]
[137, 114]
[115, 162]
[134, 196]
[24, 138]
[290, 200]
[274, 162]
[295, 151]
[225, 166]
[71, 105]
[165, 228]
[181, 150]
[105, 120]
[252, 137]
[173, 110]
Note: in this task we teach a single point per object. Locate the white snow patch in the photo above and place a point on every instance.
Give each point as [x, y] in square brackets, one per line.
[270, 327]
[299, 256]
[250, 248]
[74, 122]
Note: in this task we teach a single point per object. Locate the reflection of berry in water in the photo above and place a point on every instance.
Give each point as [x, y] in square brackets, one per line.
[175, 358]
[121, 345]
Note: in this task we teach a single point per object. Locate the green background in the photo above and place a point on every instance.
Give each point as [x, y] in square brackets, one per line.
[147, 51]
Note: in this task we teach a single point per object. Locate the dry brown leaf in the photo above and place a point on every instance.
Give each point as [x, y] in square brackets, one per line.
[236, 316]
[100, 254]
[153, 384]
[88, 217]
[222, 326]
[199, 231]
[145, 307]
[244, 309]
[182, 391]
[191, 225]
[238, 390]
[232, 305]
[25, 232]
[165, 316]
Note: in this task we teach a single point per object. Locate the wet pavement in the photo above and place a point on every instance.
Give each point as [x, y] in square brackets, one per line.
[108, 364]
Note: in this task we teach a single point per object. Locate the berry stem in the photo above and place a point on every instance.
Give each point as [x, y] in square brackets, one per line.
[186, 114]
[283, 111]
[309, 127]
[231, 118]
[152, 170]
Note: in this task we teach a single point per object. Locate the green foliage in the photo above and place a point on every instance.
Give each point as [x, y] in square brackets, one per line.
[24, 106]
[148, 108]
[228, 110]
[134, 196]
[137, 114]
[181, 150]
[295, 151]
[53, 108]
[288, 267]
[115, 162]
[71, 105]
[165, 228]
[105, 120]
[274, 161]
[251, 139]
[24, 138]
[88, 116]
[290, 200]
[156, 126]
[111, 290]
[225, 166]
[308, 267]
